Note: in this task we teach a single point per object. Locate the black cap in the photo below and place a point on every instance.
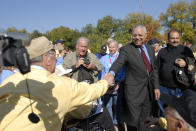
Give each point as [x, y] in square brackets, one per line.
[60, 41]
[104, 47]
[153, 41]
[184, 105]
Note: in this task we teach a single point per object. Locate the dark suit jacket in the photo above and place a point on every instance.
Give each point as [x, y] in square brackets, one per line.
[137, 81]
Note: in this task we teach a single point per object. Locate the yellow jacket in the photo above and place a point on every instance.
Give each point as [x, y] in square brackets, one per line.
[52, 97]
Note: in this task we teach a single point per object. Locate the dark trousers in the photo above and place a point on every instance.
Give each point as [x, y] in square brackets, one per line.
[145, 111]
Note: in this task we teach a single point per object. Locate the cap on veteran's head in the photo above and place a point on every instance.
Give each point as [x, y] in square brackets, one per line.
[60, 41]
[39, 46]
[153, 42]
[184, 105]
[104, 47]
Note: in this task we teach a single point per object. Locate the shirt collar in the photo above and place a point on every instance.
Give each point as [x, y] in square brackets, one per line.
[114, 54]
[143, 45]
[38, 67]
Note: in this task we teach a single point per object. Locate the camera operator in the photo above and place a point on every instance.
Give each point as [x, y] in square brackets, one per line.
[39, 100]
[85, 67]
[13, 51]
[13, 54]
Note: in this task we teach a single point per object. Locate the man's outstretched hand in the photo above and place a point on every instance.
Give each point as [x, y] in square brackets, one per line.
[110, 78]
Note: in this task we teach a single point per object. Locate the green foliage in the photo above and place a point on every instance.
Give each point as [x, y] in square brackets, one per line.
[152, 26]
[123, 38]
[13, 29]
[68, 35]
[105, 26]
[188, 33]
[95, 42]
[35, 34]
[181, 16]
[88, 29]
[192, 14]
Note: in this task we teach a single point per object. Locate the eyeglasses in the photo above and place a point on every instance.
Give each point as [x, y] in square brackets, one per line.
[51, 52]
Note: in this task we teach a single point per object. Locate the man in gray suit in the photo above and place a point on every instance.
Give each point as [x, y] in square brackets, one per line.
[141, 86]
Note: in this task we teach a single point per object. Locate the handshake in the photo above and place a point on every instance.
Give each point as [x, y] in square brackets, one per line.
[109, 78]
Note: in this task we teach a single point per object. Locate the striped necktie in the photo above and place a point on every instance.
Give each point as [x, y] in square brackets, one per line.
[146, 61]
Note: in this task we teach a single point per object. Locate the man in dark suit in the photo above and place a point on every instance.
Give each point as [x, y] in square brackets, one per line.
[141, 86]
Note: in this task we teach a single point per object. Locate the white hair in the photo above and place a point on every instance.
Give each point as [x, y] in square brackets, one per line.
[82, 38]
[40, 58]
[140, 26]
[178, 116]
[37, 59]
[113, 41]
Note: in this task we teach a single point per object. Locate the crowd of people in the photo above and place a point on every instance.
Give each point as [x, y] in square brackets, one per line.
[136, 87]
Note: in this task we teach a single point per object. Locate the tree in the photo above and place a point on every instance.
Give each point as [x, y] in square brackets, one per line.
[23, 31]
[107, 26]
[35, 34]
[95, 42]
[192, 14]
[88, 29]
[152, 26]
[178, 17]
[12, 29]
[68, 35]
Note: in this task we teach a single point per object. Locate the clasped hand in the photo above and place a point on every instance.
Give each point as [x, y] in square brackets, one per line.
[109, 78]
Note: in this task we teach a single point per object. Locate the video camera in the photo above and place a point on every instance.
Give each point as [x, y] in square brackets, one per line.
[13, 51]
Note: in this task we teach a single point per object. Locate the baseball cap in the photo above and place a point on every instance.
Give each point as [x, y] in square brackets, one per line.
[39, 46]
[153, 41]
[184, 105]
[60, 41]
[104, 47]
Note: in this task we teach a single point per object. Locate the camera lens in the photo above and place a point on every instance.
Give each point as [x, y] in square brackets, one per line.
[86, 61]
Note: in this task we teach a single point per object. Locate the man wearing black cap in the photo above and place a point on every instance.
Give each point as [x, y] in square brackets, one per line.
[60, 51]
[155, 44]
[181, 111]
[60, 42]
[102, 52]
[59, 45]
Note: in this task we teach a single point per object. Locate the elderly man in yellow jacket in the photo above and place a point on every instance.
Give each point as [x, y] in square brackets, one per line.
[39, 100]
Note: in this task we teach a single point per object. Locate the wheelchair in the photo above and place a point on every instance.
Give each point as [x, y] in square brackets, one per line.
[88, 124]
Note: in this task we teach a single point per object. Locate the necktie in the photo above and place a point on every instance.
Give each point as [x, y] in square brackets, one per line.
[146, 61]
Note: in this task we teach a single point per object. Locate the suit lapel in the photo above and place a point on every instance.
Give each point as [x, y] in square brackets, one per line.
[138, 57]
[150, 53]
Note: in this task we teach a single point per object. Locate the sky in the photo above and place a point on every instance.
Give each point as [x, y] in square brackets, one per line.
[44, 15]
